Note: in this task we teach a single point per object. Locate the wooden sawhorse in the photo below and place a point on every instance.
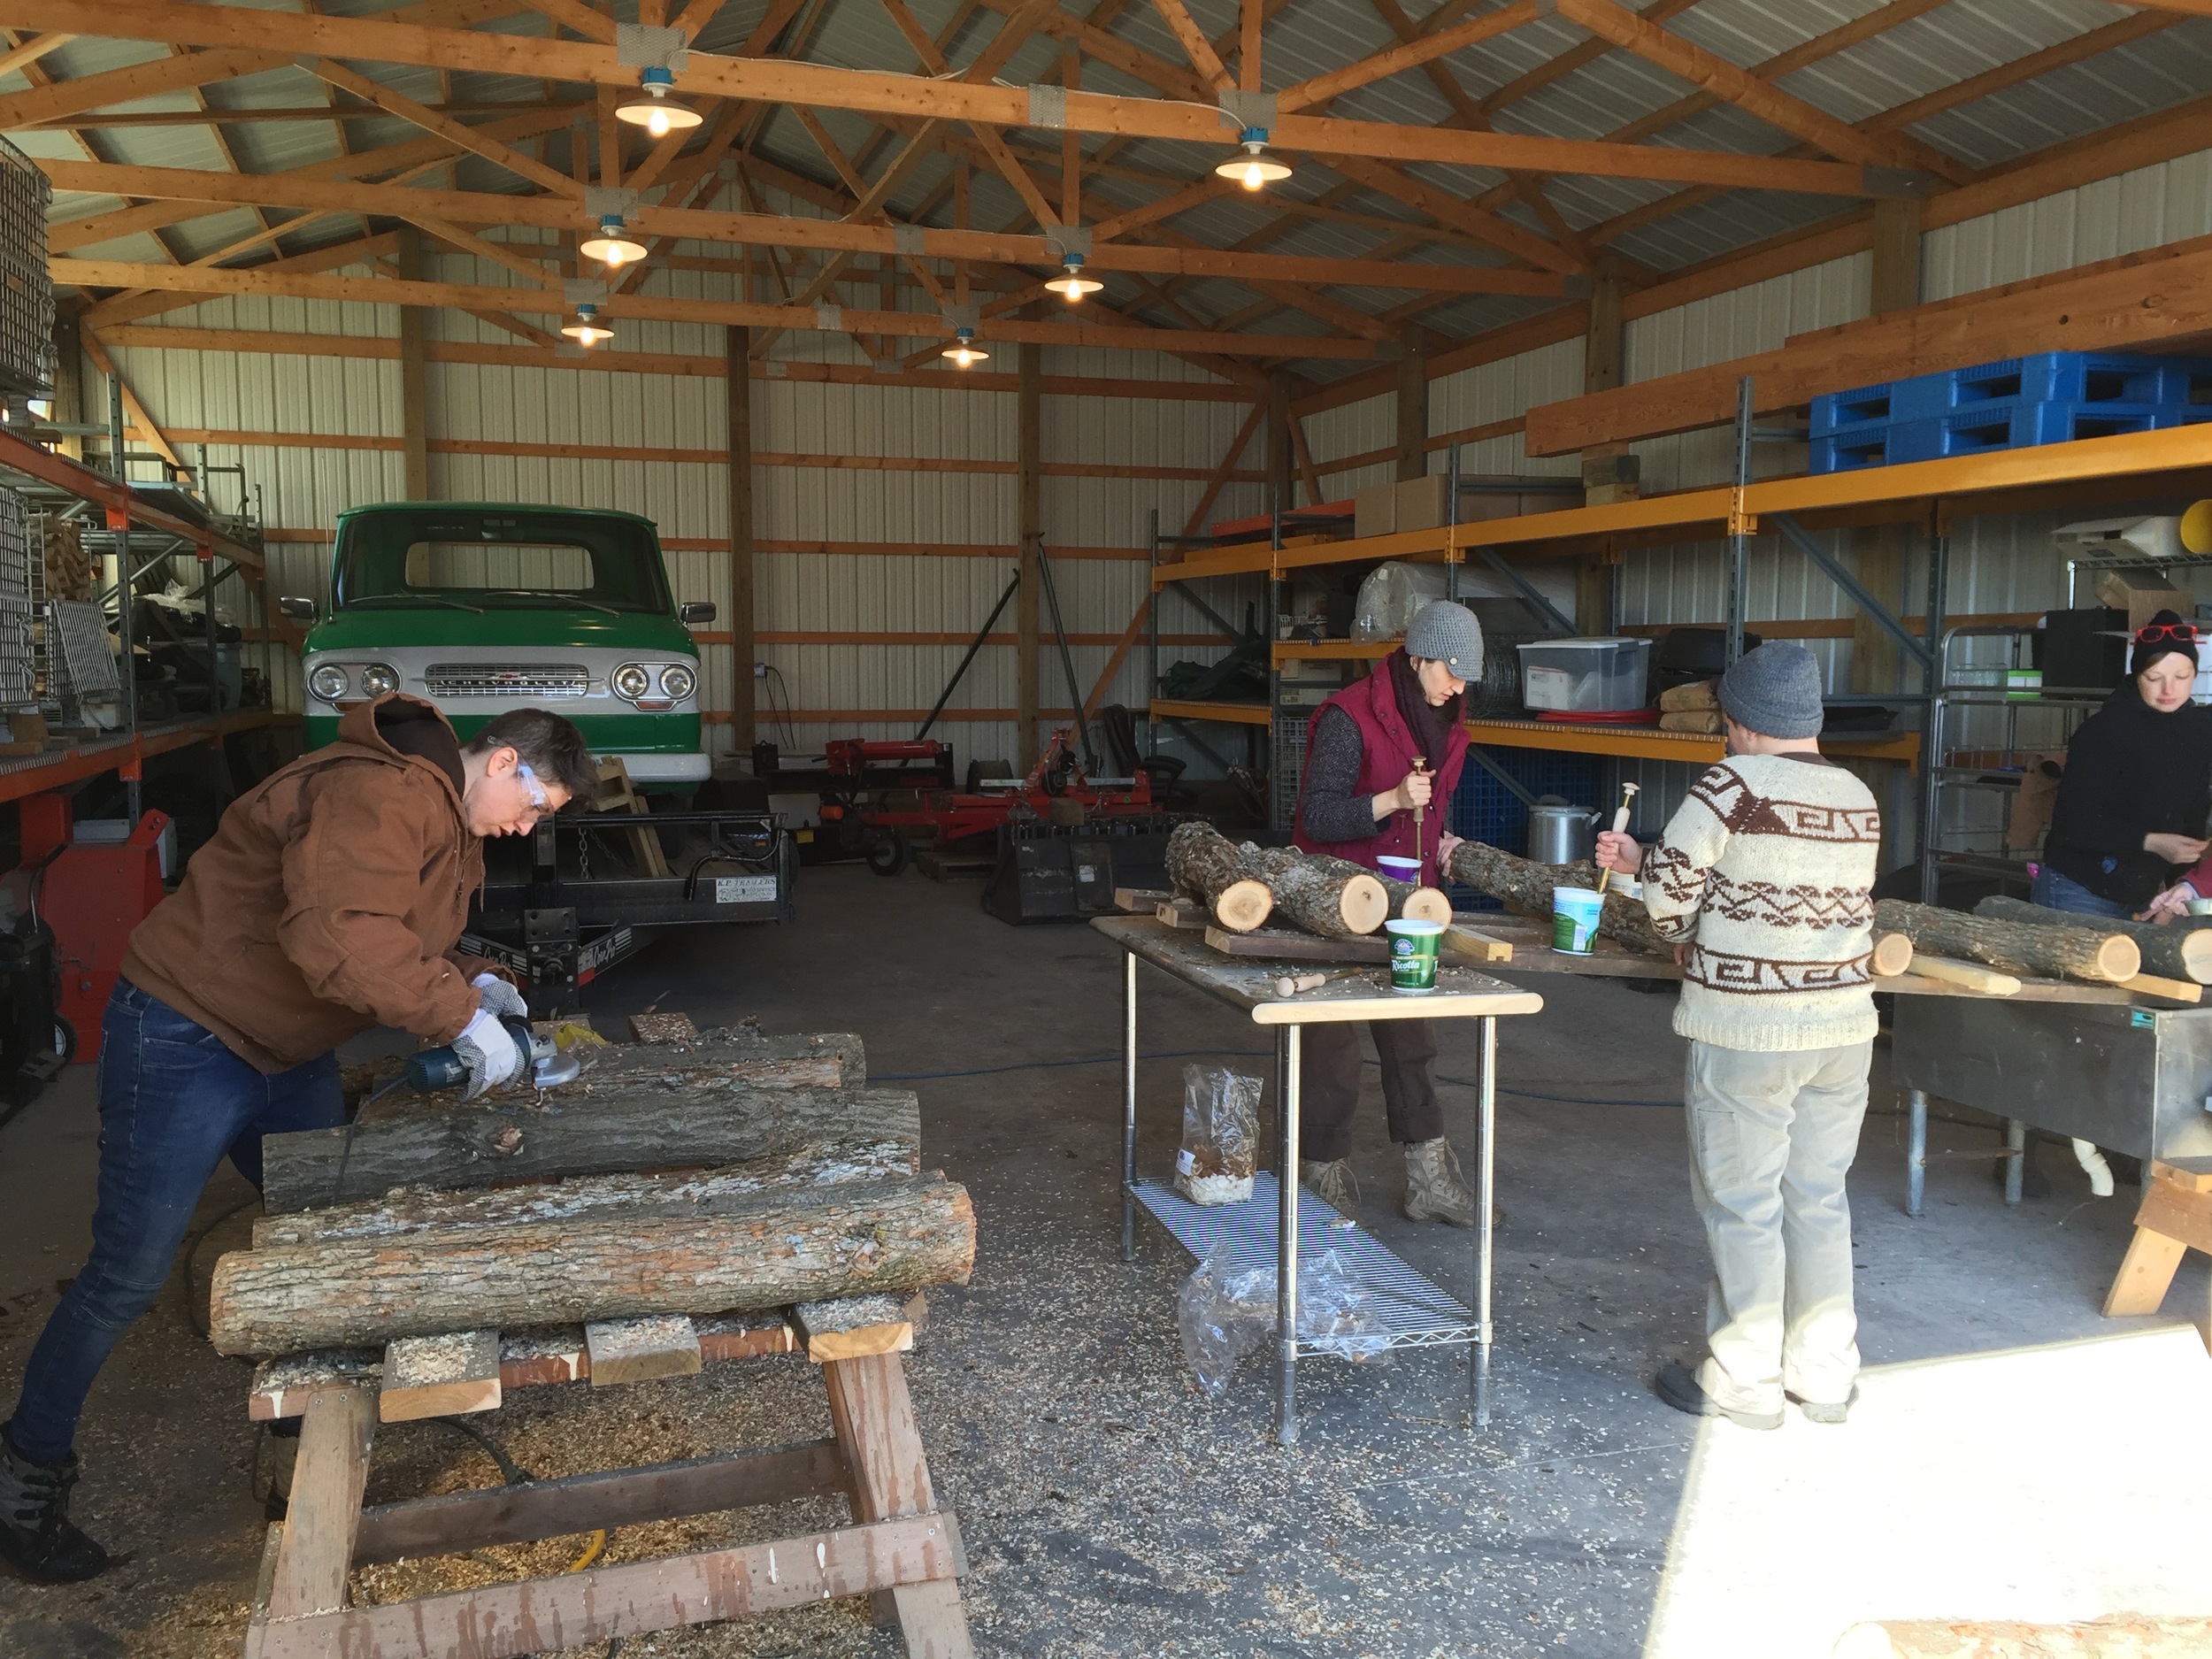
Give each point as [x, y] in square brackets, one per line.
[2175, 1216]
[903, 1552]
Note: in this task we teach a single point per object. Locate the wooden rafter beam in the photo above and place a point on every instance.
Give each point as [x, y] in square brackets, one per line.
[225, 27]
[31, 52]
[95, 273]
[1195, 46]
[484, 208]
[459, 134]
[1408, 55]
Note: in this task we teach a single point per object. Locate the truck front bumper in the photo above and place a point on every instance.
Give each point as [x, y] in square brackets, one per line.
[651, 767]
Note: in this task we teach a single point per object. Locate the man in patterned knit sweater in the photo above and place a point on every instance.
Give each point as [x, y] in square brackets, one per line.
[1764, 879]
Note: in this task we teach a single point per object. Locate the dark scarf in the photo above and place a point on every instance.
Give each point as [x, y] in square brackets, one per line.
[1431, 725]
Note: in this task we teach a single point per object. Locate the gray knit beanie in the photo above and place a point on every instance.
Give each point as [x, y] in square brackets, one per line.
[1775, 690]
[1446, 631]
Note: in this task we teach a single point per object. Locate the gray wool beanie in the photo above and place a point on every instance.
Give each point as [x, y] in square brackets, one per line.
[1447, 631]
[1775, 690]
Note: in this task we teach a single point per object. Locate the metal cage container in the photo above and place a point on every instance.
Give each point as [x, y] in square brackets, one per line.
[27, 287]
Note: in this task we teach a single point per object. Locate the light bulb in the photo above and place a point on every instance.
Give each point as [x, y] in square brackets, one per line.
[657, 124]
[1253, 177]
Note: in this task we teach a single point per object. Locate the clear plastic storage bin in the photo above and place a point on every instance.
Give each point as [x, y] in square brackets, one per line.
[1586, 676]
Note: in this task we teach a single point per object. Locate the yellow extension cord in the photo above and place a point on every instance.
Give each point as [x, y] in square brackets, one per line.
[591, 1552]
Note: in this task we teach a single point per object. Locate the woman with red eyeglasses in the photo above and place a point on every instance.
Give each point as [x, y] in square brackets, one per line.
[2131, 812]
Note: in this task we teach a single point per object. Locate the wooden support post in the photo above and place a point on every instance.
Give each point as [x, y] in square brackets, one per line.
[1030, 463]
[414, 373]
[1608, 470]
[326, 1506]
[1279, 460]
[737, 348]
[69, 382]
[1413, 404]
[875, 1419]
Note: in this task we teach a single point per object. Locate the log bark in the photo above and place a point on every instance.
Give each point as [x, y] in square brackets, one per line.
[1407, 898]
[2179, 950]
[643, 1124]
[1207, 865]
[2096, 955]
[1527, 887]
[845, 1240]
[1327, 896]
[701, 1192]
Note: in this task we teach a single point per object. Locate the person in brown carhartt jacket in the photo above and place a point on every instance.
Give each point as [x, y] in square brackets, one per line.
[329, 900]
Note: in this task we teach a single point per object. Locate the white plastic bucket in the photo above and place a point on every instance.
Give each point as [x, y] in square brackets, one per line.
[1400, 869]
[1413, 947]
[1574, 919]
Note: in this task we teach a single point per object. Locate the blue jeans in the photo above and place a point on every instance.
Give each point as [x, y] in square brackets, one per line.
[2056, 891]
[172, 1101]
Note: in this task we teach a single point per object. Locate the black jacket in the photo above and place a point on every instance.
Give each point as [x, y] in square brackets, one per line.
[2131, 771]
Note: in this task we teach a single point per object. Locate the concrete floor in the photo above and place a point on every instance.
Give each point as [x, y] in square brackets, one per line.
[1107, 1507]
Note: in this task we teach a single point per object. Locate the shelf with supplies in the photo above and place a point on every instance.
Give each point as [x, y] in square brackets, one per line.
[73, 760]
[1644, 742]
[1233, 713]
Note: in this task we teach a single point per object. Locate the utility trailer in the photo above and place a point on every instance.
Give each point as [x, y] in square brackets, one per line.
[576, 895]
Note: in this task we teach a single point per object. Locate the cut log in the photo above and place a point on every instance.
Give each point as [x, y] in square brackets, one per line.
[1891, 955]
[1527, 887]
[644, 1124]
[1323, 895]
[1206, 863]
[641, 1350]
[439, 1377]
[2119, 1636]
[703, 1192]
[2179, 950]
[844, 1240]
[1407, 899]
[2033, 951]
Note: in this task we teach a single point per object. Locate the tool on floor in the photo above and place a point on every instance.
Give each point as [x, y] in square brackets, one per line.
[431, 1070]
[1620, 827]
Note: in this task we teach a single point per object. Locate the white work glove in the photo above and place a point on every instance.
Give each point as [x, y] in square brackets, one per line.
[487, 1050]
[500, 998]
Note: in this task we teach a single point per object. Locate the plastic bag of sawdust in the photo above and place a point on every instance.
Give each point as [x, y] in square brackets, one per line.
[1221, 1134]
[1226, 1311]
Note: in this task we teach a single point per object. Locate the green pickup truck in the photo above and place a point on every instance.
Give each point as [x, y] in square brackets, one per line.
[483, 607]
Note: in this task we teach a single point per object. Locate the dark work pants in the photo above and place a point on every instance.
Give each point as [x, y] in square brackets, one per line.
[1329, 1072]
[173, 1101]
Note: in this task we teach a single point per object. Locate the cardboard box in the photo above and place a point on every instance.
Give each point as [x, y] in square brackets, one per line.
[1375, 510]
[2142, 594]
[1424, 502]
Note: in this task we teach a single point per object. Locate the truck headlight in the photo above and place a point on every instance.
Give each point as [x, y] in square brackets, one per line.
[379, 677]
[328, 682]
[678, 682]
[630, 682]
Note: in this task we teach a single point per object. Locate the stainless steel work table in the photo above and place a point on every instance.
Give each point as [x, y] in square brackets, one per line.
[1416, 1320]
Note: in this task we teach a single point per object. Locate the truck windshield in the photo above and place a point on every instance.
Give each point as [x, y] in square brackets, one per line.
[499, 558]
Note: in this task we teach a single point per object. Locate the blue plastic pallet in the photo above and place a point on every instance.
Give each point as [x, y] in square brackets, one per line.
[2083, 378]
[1979, 431]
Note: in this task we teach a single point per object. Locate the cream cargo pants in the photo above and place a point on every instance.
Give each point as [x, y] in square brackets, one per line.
[1771, 1139]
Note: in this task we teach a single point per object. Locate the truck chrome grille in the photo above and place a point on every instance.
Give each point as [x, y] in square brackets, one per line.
[507, 679]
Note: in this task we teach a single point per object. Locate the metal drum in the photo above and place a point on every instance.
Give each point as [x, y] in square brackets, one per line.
[1559, 833]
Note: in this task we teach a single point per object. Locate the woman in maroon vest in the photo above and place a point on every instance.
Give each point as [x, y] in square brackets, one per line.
[1378, 749]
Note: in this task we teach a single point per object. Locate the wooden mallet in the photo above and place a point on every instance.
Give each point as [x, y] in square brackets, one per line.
[1620, 827]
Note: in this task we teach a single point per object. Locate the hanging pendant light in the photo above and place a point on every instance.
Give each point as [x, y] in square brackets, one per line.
[587, 331]
[964, 351]
[611, 245]
[1254, 167]
[652, 108]
[1072, 282]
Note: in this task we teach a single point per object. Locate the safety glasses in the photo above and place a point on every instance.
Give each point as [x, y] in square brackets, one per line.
[540, 802]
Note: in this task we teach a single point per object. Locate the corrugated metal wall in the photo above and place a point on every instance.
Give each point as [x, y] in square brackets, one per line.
[2009, 563]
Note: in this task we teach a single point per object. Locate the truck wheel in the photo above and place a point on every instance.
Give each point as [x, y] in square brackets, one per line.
[887, 854]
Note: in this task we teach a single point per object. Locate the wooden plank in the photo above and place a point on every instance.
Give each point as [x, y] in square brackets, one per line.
[2145, 1272]
[326, 1503]
[889, 1475]
[2172, 990]
[2191, 1175]
[504, 1621]
[853, 1327]
[1278, 944]
[1188, 914]
[1476, 944]
[1971, 975]
[1140, 901]
[439, 1377]
[2181, 1215]
[639, 1350]
[608, 1498]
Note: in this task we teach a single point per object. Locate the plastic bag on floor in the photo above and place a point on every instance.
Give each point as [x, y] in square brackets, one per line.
[1225, 1311]
[1221, 1130]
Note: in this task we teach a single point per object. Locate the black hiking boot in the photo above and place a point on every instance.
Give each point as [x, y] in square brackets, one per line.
[36, 1538]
